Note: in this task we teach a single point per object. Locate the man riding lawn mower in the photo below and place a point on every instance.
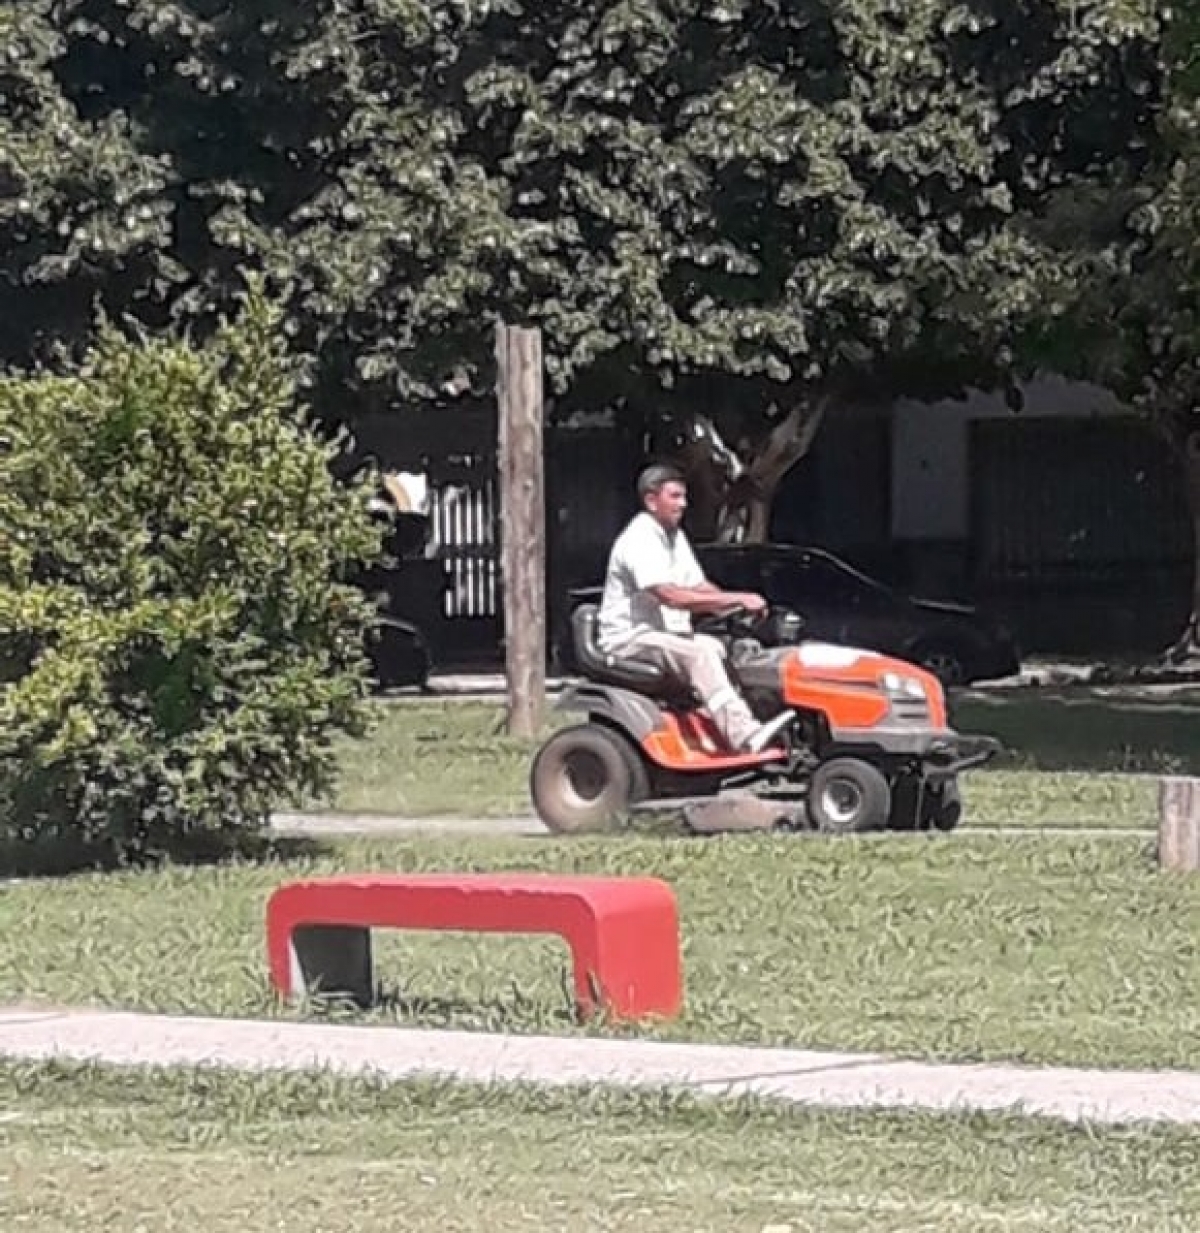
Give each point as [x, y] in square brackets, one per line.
[728, 718]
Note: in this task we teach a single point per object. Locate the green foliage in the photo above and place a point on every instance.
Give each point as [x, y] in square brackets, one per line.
[177, 648]
[1155, 305]
[85, 214]
[1146, 314]
[787, 198]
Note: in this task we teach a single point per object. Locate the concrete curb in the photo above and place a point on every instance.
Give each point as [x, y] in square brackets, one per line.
[802, 1077]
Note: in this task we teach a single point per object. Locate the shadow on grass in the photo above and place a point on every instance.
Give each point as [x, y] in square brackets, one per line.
[1088, 728]
[56, 856]
[496, 1014]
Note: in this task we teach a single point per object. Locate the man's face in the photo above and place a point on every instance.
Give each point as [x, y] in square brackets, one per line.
[668, 504]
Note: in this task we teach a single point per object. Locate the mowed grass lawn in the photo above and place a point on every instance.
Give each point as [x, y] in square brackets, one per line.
[1073, 757]
[183, 1151]
[1041, 948]
[1044, 949]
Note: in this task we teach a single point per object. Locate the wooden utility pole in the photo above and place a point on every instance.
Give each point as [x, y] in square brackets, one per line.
[523, 524]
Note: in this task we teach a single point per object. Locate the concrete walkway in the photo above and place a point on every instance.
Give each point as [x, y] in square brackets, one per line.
[837, 1080]
[344, 825]
[339, 825]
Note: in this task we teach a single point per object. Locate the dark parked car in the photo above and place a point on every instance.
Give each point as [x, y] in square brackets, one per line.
[840, 604]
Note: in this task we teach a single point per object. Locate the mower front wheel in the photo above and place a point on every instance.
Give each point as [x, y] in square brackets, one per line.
[584, 778]
[847, 795]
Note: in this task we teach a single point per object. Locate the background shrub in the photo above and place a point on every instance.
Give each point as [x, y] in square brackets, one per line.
[178, 642]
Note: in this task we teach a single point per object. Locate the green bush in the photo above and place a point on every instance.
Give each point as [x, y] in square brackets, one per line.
[178, 641]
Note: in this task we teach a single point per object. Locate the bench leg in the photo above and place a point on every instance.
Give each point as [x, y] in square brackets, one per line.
[332, 961]
[631, 970]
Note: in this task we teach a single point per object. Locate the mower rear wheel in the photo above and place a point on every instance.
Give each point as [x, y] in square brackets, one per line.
[847, 794]
[584, 778]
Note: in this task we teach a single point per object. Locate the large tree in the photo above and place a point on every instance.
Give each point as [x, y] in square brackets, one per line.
[746, 210]
[1136, 328]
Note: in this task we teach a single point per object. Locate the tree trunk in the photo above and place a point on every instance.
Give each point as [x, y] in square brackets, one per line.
[730, 497]
[746, 516]
[1187, 645]
[523, 524]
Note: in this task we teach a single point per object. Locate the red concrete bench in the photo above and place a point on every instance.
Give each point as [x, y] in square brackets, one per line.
[623, 932]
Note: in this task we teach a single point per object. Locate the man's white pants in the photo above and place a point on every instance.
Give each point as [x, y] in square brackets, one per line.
[700, 660]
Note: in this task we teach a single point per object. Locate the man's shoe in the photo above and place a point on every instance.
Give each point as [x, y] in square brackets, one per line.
[764, 734]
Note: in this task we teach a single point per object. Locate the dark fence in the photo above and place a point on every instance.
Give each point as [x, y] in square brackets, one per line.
[1080, 532]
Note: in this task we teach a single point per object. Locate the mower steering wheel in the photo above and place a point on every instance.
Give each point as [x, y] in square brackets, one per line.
[727, 616]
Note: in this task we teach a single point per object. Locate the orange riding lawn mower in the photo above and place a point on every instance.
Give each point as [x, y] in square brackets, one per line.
[869, 747]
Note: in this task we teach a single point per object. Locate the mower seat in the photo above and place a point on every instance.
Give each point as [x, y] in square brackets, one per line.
[641, 675]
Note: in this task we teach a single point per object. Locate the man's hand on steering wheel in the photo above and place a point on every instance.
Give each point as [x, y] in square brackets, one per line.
[753, 603]
[740, 612]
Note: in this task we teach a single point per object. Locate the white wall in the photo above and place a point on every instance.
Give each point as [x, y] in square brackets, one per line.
[931, 458]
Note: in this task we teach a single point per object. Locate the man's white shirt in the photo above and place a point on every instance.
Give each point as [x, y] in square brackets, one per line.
[645, 555]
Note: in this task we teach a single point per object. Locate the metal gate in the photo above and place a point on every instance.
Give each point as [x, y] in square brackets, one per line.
[589, 476]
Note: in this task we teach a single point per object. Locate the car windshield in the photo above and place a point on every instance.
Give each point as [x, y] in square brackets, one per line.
[843, 567]
[790, 575]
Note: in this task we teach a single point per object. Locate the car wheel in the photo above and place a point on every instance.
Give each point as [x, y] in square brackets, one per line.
[944, 660]
[942, 808]
[905, 812]
[398, 655]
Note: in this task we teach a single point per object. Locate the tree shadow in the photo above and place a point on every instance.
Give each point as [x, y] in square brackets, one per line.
[62, 856]
[1124, 728]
